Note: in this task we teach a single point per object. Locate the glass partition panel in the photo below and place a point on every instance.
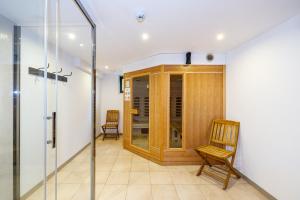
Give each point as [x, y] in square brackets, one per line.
[6, 106]
[175, 137]
[140, 117]
[74, 62]
[21, 98]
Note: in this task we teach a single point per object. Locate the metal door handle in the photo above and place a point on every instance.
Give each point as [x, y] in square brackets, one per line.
[53, 130]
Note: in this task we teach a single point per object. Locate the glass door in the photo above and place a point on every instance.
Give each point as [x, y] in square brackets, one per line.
[47, 60]
[74, 67]
[50, 82]
[175, 110]
[140, 112]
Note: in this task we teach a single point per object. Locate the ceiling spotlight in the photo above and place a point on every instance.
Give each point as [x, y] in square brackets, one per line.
[106, 67]
[81, 45]
[71, 36]
[220, 36]
[145, 36]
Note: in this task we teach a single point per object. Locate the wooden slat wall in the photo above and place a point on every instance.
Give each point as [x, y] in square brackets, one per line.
[204, 97]
[156, 117]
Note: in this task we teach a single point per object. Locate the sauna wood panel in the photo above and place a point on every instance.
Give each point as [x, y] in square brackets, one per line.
[145, 71]
[157, 119]
[203, 103]
[193, 68]
[126, 119]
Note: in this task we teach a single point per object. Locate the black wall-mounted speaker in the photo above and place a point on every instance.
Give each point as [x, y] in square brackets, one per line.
[188, 58]
[210, 57]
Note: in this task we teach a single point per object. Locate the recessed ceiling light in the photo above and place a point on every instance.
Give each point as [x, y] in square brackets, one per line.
[220, 36]
[81, 45]
[145, 36]
[106, 67]
[72, 36]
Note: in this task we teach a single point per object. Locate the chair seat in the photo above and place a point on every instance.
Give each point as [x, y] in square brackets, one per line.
[110, 125]
[215, 151]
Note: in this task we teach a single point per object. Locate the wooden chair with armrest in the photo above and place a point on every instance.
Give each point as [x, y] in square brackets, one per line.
[221, 149]
[112, 123]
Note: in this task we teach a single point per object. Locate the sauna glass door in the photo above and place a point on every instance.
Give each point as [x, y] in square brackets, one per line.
[140, 112]
[175, 111]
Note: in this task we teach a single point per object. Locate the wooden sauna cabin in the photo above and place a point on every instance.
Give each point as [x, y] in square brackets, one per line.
[168, 110]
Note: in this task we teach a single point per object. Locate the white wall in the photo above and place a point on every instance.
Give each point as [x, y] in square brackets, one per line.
[6, 109]
[175, 58]
[73, 114]
[263, 93]
[111, 98]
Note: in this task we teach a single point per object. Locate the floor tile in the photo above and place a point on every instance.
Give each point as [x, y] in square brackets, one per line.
[177, 168]
[67, 191]
[164, 192]
[118, 178]
[138, 159]
[139, 178]
[157, 168]
[189, 192]
[140, 167]
[139, 192]
[244, 192]
[104, 166]
[76, 177]
[122, 167]
[182, 177]
[84, 191]
[160, 178]
[101, 177]
[214, 192]
[113, 192]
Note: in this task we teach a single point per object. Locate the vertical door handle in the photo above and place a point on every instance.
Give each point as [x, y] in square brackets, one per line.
[53, 130]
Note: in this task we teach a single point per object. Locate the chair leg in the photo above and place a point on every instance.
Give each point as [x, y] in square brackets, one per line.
[203, 165]
[231, 168]
[227, 179]
[104, 134]
[200, 170]
[118, 133]
[102, 131]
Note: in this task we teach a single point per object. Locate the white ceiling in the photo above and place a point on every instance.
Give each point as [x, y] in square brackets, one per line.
[30, 14]
[174, 26]
[180, 25]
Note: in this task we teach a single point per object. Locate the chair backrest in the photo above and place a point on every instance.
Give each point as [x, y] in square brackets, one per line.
[224, 133]
[112, 116]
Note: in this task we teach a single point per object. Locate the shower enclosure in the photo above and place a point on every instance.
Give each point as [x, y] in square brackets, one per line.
[47, 100]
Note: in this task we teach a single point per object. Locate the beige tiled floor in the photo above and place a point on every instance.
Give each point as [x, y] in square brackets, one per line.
[122, 175]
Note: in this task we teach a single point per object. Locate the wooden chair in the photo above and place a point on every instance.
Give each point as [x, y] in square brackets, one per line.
[221, 150]
[112, 123]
